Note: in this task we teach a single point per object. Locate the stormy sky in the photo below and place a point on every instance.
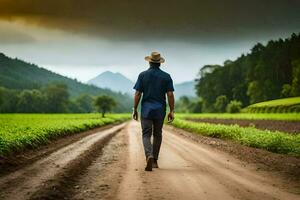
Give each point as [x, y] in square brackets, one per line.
[80, 39]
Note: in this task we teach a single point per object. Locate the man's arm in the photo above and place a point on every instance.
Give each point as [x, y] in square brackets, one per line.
[171, 102]
[137, 97]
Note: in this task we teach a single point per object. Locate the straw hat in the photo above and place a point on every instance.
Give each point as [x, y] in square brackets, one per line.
[155, 58]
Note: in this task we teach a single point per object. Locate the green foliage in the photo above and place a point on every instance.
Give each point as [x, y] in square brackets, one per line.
[276, 106]
[85, 103]
[10, 99]
[250, 116]
[105, 104]
[57, 97]
[295, 88]
[188, 105]
[221, 103]
[31, 101]
[17, 75]
[1, 95]
[234, 106]
[254, 93]
[286, 90]
[20, 131]
[258, 76]
[52, 99]
[277, 142]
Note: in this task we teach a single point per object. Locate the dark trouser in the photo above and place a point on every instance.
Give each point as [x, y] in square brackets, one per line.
[150, 126]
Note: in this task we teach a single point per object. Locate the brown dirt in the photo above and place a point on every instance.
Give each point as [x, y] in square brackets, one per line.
[292, 127]
[193, 170]
[46, 177]
[110, 165]
[18, 160]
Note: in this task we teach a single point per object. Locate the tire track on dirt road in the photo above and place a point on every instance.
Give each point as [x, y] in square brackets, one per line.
[33, 180]
[190, 170]
[110, 165]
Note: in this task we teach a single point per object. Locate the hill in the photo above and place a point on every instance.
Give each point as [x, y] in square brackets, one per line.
[276, 106]
[113, 81]
[20, 75]
[185, 89]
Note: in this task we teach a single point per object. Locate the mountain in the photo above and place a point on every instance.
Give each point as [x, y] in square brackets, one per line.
[185, 89]
[114, 81]
[20, 75]
[119, 83]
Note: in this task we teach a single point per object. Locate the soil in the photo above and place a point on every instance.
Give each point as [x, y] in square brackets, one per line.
[109, 164]
[20, 159]
[292, 127]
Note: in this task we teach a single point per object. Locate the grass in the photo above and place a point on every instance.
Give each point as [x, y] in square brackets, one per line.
[272, 141]
[251, 116]
[21, 131]
[286, 105]
[278, 102]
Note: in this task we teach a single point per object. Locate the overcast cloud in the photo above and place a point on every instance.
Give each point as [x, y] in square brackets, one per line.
[82, 38]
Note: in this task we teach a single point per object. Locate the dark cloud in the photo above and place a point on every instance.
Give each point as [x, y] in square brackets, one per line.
[14, 37]
[163, 19]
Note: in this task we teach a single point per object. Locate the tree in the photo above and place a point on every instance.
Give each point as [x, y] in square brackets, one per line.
[258, 76]
[234, 106]
[295, 89]
[254, 92]
[57, 96]
[85, 103]
[31, 101]
[1, 95]
[286, 90]
[9, 100]
[221, 103]
[105, 104]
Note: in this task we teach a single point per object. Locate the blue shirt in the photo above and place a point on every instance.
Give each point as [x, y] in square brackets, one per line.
[154, 84]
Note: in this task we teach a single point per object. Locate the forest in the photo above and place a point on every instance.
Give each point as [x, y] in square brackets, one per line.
[28, 88]
[267, 72]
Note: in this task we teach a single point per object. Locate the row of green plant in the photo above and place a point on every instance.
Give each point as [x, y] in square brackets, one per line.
[285, 105]
[277, 142]
[21, 131]
[250, 116]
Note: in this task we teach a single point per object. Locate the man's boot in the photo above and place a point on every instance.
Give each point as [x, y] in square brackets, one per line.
[149, 164]
[154, 164]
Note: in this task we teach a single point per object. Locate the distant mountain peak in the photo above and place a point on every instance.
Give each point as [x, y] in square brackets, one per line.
[114, 81]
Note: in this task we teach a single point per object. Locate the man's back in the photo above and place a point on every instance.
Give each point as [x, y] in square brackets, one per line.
[154, 84]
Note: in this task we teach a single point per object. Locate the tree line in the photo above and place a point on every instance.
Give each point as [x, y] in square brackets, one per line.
[54, 98]
[18, 75]
[268, 72]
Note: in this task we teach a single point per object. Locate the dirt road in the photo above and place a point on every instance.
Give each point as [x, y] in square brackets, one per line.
[110, 165]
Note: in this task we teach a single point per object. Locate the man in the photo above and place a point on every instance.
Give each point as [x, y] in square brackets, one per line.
[154, 84]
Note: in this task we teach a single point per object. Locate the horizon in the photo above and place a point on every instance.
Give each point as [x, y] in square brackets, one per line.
[82, 39]
[83, 75]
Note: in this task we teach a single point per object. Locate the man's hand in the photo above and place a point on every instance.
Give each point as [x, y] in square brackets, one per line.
[135, 115]
[171, 117]
[137, 97]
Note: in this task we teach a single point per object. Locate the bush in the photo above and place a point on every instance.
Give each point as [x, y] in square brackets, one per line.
[234, 106]
[220, 104]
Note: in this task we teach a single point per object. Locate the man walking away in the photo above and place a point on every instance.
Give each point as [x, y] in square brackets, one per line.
[154, 84]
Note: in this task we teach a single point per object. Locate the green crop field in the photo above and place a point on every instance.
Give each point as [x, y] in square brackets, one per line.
[272, 141]
[286, 105]
[251, 116]
[19, 131]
